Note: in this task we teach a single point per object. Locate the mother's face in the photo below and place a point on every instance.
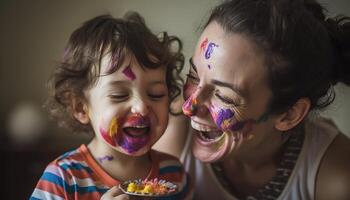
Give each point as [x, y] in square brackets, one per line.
[226, 94]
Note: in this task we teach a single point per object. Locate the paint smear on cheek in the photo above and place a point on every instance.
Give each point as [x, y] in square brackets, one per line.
[225, 119]
[190, 106]
[129, 73]
[109, 135]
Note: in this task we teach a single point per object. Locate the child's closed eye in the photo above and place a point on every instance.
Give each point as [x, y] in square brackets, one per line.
[118, 97]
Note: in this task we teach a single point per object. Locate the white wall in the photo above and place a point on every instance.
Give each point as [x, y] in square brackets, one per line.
[34, 32]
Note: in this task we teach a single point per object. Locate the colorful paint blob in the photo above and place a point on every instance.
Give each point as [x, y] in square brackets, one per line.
[108, 158]
[210, 50]
[225, 118]
[113, 128]
[190, 106]
[129, 73]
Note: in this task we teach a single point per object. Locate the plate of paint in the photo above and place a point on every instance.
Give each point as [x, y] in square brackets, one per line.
[149, 188]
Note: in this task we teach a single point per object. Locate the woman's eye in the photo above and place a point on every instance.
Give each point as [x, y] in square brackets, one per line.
[226, 100]
[156, 96]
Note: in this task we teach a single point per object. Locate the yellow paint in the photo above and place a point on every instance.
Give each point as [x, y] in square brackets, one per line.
[113, 128]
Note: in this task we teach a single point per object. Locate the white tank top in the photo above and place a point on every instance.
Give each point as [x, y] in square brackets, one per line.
[319, 134]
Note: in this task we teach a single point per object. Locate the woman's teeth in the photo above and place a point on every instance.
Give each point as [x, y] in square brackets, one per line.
[206, 133]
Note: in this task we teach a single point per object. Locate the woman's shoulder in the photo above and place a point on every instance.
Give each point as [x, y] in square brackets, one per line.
[333, 178]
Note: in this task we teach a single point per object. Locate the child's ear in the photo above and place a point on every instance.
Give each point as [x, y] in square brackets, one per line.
[80, 110]
[293, 116]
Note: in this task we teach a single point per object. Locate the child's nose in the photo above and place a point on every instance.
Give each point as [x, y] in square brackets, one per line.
[140, 106]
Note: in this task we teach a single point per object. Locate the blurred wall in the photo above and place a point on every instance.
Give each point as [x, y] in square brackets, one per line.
[34, 32]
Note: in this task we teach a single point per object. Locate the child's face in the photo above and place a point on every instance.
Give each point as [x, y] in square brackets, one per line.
[128, 109]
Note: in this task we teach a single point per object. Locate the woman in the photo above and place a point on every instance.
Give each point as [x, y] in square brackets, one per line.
[259, 71]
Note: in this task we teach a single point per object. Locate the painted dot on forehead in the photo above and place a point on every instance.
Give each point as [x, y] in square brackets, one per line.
[210, 50]
[129, 73]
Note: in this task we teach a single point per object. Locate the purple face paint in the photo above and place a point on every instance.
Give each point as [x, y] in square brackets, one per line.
[136, 133]
[225, 118]
[108, 158]
[129, 73]
[210, 50]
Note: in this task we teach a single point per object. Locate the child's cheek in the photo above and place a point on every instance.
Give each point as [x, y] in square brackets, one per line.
[109, 130]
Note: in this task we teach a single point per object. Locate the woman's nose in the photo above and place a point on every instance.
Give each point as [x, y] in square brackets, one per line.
[195, 104]
[140, 106]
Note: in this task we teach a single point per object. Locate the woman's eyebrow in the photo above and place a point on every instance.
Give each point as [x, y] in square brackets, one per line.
[234, 88]
[192, 65]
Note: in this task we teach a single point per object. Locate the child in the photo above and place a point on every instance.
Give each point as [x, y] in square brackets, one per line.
[117, 79]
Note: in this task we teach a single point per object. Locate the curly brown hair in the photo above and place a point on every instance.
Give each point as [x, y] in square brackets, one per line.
[81, 63]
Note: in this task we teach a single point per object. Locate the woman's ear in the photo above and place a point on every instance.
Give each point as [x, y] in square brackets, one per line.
[294, 115]
[80, 110]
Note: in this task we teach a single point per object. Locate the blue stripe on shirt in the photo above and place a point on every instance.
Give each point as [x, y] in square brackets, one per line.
[170, 169]
[70, 188]
[76, 166]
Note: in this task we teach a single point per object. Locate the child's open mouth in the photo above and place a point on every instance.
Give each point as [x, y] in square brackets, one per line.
[136, 132]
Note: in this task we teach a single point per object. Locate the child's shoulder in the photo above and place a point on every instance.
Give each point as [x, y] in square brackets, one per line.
[73, 160]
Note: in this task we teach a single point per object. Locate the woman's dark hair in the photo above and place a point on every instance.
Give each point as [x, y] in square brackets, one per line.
[81, 63]
[306, 53]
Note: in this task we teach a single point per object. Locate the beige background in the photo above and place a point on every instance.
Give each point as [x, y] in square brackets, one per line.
[33, 34]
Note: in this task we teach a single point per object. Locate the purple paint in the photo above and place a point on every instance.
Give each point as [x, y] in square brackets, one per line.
[108, 158]
[209, 66]
[129, 73]
[132, 144]
[210, 49]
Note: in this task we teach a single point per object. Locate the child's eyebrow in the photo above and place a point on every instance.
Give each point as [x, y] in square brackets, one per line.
[193, 65]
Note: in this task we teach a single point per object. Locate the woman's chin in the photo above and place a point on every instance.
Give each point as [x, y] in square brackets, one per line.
[212, 150]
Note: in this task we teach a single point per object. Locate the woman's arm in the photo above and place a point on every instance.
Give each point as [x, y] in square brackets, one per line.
[333, 178]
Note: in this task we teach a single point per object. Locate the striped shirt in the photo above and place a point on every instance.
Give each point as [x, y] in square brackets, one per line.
[76, 175]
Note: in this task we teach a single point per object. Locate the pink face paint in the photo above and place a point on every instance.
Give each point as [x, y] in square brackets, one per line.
[190, 106]
[204, 44]
[210, 50]
[105, 158]
[136, 133]
[129, 73]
